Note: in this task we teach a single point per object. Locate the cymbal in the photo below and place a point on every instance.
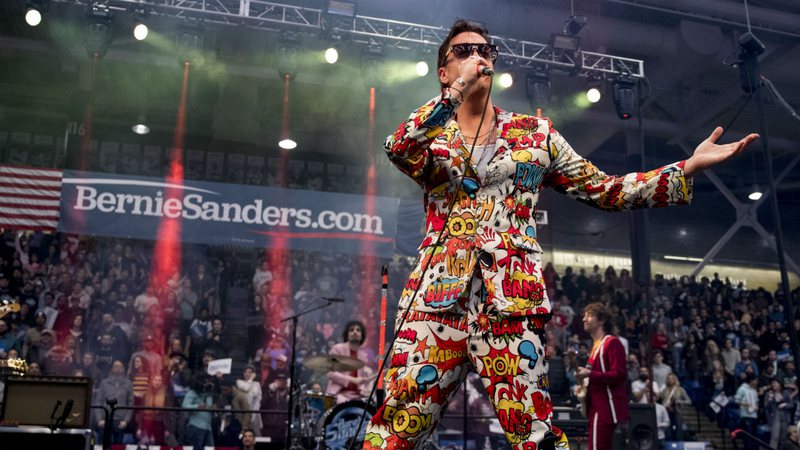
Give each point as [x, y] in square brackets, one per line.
[335, 363]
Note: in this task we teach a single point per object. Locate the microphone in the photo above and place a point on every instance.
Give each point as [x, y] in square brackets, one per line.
[483, 70]
[333, 299]
[55, 408]
[65, 415]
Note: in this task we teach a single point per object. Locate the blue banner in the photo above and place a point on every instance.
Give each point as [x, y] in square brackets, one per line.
[227, 214]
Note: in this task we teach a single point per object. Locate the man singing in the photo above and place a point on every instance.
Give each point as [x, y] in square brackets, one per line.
[607, 396]
[475, 299]
[355, 384]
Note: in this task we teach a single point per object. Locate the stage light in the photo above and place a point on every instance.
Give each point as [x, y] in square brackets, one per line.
[506, 80]
[339, 16]
[593, 95]
[574, 25]
[422, 68]
[33, 17]
[566, 49]
[564, 43]
[287, 55]
[342, 8]
[189, 41]
[98, 30]
[755, 194]
[537, 87]
[34, 10]
[140, 127]
[140, 31]
[625, 96]
[331, 55]
[749, 68]
[287, 144]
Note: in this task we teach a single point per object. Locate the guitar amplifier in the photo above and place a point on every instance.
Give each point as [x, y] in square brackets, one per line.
[570, 421]
[573, 424]
[62, 402]
[41, 437]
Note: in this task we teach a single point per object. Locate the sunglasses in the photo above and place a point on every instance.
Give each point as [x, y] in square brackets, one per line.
[485, 51]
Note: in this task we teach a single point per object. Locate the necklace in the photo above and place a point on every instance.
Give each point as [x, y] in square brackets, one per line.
[481, 142]
[493, 127]
[478, 136]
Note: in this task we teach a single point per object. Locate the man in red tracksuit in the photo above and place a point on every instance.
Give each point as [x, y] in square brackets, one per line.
[607, 396]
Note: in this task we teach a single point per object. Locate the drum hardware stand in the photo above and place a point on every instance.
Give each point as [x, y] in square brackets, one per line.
[292, 382]
[433, 441]
[305, 422]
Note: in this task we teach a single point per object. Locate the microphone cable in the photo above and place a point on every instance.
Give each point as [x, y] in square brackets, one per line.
[438, 243]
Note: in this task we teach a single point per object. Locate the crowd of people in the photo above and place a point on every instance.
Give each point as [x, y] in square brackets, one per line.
[721, 347]
[87, 309]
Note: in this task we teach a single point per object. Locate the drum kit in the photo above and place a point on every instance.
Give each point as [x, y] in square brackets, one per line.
[320, 422]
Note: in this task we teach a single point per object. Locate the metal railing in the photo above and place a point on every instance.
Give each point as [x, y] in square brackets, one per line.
[744, 435]
[447, 427]
[111, 408]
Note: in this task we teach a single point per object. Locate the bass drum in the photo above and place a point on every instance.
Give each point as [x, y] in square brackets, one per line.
[314, 406]
[338, 426]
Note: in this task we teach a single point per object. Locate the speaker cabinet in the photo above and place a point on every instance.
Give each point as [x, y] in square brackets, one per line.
[557, 374]
[48, 401]
[43, 438]
[642, 433]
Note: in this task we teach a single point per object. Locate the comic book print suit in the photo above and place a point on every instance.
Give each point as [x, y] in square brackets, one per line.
[481, 304]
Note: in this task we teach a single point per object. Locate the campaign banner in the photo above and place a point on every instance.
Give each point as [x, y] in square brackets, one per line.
[227, 214]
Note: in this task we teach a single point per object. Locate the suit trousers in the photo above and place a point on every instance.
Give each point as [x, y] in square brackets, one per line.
[431, 356]
[601, 436]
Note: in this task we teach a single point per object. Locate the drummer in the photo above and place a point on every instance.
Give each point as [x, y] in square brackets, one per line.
[355, 384]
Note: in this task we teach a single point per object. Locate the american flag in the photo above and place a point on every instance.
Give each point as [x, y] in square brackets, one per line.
[30, 198]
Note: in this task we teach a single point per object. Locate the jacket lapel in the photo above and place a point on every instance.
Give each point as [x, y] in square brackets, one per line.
[503, 120]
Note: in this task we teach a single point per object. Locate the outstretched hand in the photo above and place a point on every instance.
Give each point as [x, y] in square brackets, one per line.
[709, 153]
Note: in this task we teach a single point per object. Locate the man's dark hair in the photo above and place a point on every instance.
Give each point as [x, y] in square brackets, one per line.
[602, 314]
[248, 430]
[461, 26]
[359, 325]
[204, 383]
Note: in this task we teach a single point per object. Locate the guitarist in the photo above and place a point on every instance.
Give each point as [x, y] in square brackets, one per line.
[607, 394]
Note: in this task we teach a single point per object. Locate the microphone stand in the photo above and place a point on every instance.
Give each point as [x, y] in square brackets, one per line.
[292, 381]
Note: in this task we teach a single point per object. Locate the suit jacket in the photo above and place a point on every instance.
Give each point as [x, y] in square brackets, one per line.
[495, 226]
[608, 394]
[337, 381]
